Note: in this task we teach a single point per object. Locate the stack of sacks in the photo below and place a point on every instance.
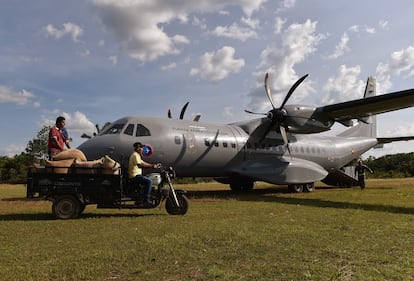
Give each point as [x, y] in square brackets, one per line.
[63, 161]
[104, 165]
[87, 167]
[74, 161]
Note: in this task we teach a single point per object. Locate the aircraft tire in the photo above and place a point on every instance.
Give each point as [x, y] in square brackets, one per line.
[309, 187]
[66, 207]
[295, 188]
[172, 209]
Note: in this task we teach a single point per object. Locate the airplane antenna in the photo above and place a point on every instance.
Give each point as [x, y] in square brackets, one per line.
[183, 110]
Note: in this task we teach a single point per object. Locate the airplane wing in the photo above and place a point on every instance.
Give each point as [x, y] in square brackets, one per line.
[365, 107]
[281, 170]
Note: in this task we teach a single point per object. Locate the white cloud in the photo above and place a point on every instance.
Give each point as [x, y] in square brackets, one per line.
[298, 42]
[228, 111]
[180, 39]
[400, 61]
[9, 95]
[344, 86]
[234, 31]
[143, 36]
[69, 28]
[383, 24]
[113, 59]
[78, 123]
[288, 4]
[12, 150]
[279, 22]
[169, 66]
[216, 66]
[341, 48]
[252, 23]
[370, 30]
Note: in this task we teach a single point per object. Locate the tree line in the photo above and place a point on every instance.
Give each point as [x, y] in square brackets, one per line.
[399, 165]
[14, 169]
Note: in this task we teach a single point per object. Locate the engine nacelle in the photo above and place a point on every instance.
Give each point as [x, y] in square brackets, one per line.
[299, 120]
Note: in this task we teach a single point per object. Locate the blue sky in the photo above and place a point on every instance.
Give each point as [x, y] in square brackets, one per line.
[97, 61]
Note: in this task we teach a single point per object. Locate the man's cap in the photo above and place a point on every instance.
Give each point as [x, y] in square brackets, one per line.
[138, 144]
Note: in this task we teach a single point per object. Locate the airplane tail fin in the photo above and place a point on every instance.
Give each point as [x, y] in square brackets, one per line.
[367, 126]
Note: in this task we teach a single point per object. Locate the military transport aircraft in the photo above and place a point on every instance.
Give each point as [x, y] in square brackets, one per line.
[281, 147]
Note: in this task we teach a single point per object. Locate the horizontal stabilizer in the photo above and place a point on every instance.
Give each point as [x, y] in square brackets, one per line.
[281, 170]
[388, 140]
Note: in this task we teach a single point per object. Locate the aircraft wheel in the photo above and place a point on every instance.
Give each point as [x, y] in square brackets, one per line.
[295, 188]
[66, 207]
[309, 187]
[242, 185]
[172, 209]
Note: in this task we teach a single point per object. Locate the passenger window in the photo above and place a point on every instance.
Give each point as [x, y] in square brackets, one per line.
[224, 144]
[114, 129]
[207, 142]
[177, 140]
[129, 130]
[142, 131]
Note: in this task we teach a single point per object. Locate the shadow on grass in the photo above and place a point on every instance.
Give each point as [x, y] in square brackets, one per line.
[341, 205]
[261, 195]
[49, 216]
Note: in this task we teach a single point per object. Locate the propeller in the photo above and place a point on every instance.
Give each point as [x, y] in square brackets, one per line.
[278, 116]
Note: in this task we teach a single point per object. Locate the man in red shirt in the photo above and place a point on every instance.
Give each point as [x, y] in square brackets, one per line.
[56, 142]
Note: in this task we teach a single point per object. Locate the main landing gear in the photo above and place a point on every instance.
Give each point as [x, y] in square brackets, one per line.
[298, 188]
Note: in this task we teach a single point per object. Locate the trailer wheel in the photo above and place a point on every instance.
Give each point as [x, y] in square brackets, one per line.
[66, 207]
[172, 209]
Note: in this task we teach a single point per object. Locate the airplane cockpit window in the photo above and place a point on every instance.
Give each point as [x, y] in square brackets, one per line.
[129, 130]
[114, 129]
[142, 131]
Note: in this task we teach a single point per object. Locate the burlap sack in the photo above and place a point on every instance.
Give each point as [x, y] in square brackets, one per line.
[110, 166]
[58, 167]
[72, 153]
[87, 167]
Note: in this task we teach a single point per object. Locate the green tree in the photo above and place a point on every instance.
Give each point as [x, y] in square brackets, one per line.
[14, 170]
[37, 147]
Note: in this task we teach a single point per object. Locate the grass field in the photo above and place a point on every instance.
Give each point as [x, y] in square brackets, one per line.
[330, 234]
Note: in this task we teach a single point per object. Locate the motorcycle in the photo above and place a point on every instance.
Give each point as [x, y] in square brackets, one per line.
[176, 203]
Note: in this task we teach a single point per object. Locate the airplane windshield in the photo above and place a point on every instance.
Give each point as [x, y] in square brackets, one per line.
[114, 129]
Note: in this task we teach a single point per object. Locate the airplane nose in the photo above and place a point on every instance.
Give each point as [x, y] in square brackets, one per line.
[93, 149]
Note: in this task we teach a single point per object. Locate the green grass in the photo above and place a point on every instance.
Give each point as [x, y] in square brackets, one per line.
[330, 234]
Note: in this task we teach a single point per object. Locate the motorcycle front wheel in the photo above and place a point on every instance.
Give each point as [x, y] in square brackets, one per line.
[172, 207]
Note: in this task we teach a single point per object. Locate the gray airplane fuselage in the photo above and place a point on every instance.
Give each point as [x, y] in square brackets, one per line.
[197, 149]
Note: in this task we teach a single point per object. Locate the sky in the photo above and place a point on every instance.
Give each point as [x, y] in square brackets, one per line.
[95, 61]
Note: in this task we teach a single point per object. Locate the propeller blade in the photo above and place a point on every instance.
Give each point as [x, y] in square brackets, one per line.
[265, 134]
[183, 110]
[292, 89]
[267, 88]
[284, 137]
[257, 113]
[169, 113]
